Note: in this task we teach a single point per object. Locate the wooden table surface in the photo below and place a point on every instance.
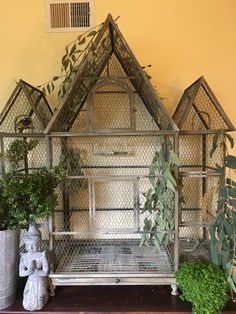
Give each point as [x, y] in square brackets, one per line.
[113, 299]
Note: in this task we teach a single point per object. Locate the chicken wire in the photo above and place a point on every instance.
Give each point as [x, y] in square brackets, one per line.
[109, 56]
[100, 205]
[36, 159]
[109, 256]
[200, 249]
[27, 111]
[199, 116]
[199, 109]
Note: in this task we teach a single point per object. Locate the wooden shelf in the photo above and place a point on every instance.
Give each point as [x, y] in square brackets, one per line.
[113, 299]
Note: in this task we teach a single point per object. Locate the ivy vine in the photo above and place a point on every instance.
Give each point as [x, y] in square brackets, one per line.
[160, 198]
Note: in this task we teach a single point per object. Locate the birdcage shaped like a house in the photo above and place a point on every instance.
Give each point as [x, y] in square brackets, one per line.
[199, 117]
[108, 127]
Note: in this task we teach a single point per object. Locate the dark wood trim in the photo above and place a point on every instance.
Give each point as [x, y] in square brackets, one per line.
[113, 299]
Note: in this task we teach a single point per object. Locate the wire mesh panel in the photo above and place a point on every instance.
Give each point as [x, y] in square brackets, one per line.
[110, 155]
[26, 111]
[36, 158]
[98, 222]
[111, 105]
[194, 243]
[119, 214]
[199, 197]
[110, 256]
[199, 109]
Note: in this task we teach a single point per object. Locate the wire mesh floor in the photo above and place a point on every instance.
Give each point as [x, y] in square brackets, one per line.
[123, 256]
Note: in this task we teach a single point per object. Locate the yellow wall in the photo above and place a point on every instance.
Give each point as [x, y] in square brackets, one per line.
[182, 39]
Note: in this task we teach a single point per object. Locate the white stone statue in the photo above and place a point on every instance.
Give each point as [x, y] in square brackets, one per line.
[34, 264]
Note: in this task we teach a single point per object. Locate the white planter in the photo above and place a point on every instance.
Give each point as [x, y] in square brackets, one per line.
[9, 258]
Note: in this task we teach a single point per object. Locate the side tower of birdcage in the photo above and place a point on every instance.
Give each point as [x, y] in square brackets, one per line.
[199, 117]
[25, 116]
[27, 111]
[108, 127]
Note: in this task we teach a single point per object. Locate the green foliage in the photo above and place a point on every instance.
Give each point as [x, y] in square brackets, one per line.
[204, 285]
[25, 197]
[17, 151]
[160, 198]
[75, 53]
[223, 229]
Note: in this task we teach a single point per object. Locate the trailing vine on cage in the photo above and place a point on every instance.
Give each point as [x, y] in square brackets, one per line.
[75, 52]
[223, 229]
[160, 198]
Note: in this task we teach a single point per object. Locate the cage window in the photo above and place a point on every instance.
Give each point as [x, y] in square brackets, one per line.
[68, 16]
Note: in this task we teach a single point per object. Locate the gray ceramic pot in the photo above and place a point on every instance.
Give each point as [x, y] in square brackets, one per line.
[9, 257]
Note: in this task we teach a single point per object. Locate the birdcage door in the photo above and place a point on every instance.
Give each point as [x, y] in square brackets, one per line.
[114, 206]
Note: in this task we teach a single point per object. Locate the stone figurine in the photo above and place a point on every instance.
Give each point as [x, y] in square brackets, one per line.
[34, 264]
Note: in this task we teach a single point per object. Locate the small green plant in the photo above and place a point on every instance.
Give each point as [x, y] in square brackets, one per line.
[204, 285]
[18, 150]
[25, 197]
[160, 198]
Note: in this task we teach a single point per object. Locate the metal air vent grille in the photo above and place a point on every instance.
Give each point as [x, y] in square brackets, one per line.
[68, 16]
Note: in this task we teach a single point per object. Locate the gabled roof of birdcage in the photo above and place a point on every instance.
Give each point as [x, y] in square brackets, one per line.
[25, 101]
[108, 41]
[198, 103]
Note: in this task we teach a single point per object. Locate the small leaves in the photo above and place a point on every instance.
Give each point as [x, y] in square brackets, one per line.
[48, 88]
[230, 139]
[174, 158]
[222, 230]
[160, 198]
[74, 59]
[204, 285]
[44, 91]
[231, 192]
[75, 52]
[92, 33]
[26, 196]
[82, 41]
[230, 161]
[214, 143]
[72, 50]
[80, 37]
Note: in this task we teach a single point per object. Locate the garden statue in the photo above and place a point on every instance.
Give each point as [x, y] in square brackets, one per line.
[34, 264]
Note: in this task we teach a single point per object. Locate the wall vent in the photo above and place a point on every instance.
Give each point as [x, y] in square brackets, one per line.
[68, 15]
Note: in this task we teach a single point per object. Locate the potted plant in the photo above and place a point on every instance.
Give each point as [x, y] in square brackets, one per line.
[24, 197]
[204, 285]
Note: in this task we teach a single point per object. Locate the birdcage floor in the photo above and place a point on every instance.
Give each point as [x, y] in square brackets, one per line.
[107, 256]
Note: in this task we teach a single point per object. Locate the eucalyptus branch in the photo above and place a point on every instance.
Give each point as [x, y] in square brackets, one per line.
[223, 229]
[160, 199]
[74, 51]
